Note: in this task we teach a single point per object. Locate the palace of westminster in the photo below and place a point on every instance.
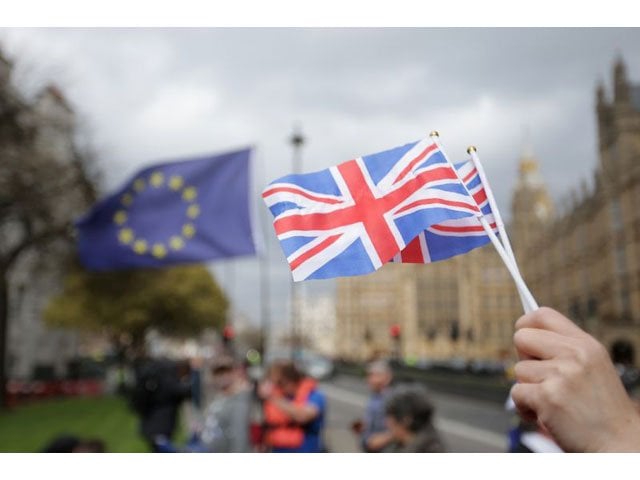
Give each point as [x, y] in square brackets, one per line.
[584, 262]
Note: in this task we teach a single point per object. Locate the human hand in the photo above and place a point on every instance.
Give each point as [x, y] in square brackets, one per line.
[265, 389]
[568, 384]
[357, 427]
[196, 362]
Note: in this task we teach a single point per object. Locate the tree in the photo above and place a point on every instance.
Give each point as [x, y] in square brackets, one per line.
[176, 301]
[42, 187]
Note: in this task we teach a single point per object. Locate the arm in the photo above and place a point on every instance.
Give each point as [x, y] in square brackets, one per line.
[568, 384]
[377, 442]
[299, 413]
[374, 437]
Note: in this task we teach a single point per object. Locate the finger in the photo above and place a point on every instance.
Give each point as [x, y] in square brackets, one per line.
[526, 396]
[533, 371]
[549, 319]
[539, 344]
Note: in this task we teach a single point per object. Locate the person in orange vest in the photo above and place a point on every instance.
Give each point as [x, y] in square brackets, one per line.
[294, 410]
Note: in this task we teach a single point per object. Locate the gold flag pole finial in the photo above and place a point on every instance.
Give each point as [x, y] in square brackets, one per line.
[471, 149]
[434, 133]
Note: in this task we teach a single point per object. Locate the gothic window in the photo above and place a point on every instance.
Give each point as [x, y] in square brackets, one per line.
[616, 215]
[454, 332]
[625, 301]
[592, 307]
[613, 156]
[621, 260]
[575, 312]
[432, 333]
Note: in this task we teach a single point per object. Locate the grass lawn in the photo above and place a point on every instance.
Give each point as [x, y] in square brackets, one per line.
[29, 428]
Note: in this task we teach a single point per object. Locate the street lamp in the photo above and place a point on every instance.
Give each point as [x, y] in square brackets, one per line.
[297, 141]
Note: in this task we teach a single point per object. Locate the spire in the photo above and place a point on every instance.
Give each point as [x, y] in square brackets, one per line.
[620, 83]
[584, 189]
[529, 175]
[600, 93]
[5, 68]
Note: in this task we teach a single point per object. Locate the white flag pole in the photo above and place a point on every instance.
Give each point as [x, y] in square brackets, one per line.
[472, 151]
[529, 303]
[511, 267]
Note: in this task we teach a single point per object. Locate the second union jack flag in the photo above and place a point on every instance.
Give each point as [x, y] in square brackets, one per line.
[353, 218]
[457, 236]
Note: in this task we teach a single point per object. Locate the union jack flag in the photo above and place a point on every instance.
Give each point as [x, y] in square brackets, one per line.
[353, 218]
[456, 236]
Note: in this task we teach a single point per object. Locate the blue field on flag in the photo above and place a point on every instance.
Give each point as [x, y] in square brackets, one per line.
[185, 211]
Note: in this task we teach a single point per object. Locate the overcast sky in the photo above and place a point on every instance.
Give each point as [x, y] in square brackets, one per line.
[146, 95]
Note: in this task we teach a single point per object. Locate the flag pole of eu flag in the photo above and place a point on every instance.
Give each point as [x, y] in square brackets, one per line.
[170, 213]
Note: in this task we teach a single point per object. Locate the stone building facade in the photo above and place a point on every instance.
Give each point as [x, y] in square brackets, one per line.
[585, 262]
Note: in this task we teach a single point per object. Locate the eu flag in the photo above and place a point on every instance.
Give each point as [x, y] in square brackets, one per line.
[185, 211]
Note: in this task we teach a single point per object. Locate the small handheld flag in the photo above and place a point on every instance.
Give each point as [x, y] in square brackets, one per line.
[185, 211]
[353, 218]
[457, 236]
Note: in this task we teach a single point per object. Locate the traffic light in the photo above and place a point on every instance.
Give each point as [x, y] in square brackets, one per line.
[227, 334]
[395, 331]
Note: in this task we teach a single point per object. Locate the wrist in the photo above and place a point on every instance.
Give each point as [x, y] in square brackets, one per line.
[625, 437]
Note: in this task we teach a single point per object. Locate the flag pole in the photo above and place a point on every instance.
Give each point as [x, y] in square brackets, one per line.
[529, 303]
[472, 151]
[513, 270]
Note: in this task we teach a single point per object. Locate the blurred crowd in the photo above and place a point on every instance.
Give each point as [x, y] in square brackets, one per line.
[230, 405]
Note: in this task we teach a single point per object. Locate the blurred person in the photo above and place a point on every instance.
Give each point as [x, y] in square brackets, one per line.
[160, 388]
[226, 422]
[409, 416]
[373, 431]
[293, 409]
[73, 444]
[193, 410]
[195, 371]
[568, 384]
[92, 445]
[62, 444]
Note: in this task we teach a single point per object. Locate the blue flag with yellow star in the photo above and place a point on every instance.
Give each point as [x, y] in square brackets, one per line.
[186, 211]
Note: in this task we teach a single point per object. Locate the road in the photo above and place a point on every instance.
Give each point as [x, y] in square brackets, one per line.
[466, 424]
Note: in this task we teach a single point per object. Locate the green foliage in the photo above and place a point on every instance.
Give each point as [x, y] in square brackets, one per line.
[176, 301]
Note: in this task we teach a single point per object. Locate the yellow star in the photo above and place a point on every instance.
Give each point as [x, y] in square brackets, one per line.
[193, 211]
[140, 247]
[188, 230]
[126, 199]
[125, 235]
[158, 250]
[120, 217]
[139, 185]
[176, 182]
[190, 194]
[157, 179]
[176, 242]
